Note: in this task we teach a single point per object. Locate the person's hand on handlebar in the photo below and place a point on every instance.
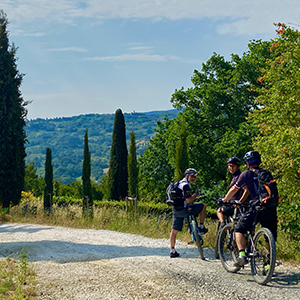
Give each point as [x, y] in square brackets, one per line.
[220, 201]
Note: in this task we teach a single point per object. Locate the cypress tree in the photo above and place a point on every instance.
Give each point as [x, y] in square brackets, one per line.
[118, 172]
[87, 200]
[48, 192]
[182, 160]
[132, 167]
[12, 121]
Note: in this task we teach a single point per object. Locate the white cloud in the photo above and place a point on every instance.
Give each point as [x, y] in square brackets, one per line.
[239, 16]
[72, 49]
[139, 48]
[128, 57]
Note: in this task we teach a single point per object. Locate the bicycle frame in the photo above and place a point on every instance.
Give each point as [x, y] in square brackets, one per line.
[261, 249]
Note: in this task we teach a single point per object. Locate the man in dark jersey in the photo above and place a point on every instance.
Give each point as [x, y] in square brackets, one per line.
[234, 169]
[180, 212]
[266, 217]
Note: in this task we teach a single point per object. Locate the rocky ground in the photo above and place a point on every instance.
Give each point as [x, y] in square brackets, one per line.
[101, 264]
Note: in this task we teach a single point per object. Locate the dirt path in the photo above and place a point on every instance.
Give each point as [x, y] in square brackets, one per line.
[101, 264]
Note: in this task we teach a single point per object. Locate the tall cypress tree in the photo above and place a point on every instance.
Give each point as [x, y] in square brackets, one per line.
[87, 204]
[182, 160]
[118, 172]
[48, 192]
[132, 167]
[12, 122]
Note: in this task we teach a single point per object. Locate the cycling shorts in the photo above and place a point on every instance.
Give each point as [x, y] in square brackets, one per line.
[180, 213]
[266, 217]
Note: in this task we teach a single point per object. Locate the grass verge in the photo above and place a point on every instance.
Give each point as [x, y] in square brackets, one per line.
[17, 279]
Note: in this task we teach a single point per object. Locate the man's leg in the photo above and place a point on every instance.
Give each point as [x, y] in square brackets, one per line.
[173, 238]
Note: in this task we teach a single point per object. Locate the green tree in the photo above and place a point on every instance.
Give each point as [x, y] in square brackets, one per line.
[48, 192]
[278, 120]
[155, 170]
[12, 121]
[132, 167]
[87, 204]
[214, 110]
[182, 159]
[32, 182]
[118, 172]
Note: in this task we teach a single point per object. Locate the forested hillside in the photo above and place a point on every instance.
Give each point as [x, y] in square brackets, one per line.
[65, 137]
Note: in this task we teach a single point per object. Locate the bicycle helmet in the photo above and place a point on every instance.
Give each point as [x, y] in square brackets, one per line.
[190, 171]
[252, 157]
[234, 161]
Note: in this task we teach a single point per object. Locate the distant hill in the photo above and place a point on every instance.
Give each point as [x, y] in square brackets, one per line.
[65, 137]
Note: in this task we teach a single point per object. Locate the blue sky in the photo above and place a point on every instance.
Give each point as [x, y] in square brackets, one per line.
[95, 56]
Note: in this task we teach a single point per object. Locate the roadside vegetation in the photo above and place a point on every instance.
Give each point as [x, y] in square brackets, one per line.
[150, 221]
[17, 279]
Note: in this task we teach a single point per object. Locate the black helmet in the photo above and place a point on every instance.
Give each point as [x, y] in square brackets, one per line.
[190, 171]
[252, 157]
[234, 160]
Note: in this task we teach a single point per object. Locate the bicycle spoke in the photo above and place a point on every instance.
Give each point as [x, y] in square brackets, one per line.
[264, 256]
[227, 249]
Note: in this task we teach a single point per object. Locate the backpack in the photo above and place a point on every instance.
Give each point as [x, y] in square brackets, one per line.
[267, 188]
[173, 194]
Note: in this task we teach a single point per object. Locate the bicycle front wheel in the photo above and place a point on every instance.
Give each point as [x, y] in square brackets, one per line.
[197, 238]
[264, 256]
[228, 250]
[216, 250]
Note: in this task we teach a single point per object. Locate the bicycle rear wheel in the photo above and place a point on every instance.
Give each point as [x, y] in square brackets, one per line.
[228, 250]
[198, 240]
[264, 256]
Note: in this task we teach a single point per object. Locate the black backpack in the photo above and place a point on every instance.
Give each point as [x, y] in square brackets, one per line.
[174, 194]
[267, 188]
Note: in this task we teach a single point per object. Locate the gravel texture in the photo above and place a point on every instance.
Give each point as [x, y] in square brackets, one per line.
[101, 264]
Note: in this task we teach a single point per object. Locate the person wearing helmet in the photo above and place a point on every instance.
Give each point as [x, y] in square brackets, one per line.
[233, 164]
[266, 217]
[180, 212]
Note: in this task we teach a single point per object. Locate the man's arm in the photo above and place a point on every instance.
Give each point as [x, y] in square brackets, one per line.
[245, 195]
[192, 198]
[232, 191]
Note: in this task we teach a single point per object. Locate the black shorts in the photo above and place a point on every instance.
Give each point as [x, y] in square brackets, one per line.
[227, 210]
[266, 217]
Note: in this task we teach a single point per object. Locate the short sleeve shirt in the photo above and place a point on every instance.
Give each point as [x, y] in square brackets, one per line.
[239, 193]
[249, 179]
[184, 185]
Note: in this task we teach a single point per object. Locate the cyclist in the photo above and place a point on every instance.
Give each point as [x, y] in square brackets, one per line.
[234, 169]
[180, 212]
[266, 217]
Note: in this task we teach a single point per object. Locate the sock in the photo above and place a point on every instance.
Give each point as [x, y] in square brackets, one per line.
[201, 225]
[242, 253]
[172, 250]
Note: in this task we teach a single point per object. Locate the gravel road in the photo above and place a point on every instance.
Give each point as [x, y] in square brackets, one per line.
[100, 264]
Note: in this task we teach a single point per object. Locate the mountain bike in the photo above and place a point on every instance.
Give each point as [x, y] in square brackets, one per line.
[261, 249]
[195, 231]
[229, 220]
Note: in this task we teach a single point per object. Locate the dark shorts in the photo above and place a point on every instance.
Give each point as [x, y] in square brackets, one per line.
[180, 214]
[227, 210]
[267, 218]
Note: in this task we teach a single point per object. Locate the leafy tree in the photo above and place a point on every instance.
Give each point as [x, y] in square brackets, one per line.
[215, 109]
[32, 182]
[87, 204]
[155, 170]
[278, 120]
[118, 172]
[182, 160]
[48, 192]
[132, 167]
[12, 120]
